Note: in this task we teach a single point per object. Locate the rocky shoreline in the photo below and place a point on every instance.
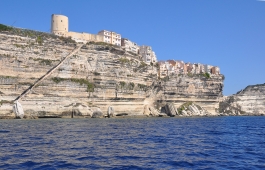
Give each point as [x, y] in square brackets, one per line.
[127, 116]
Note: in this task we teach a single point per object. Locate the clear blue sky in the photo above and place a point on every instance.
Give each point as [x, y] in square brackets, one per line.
[225, 33]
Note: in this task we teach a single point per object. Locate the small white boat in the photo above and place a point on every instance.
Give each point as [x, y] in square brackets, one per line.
[18, 110]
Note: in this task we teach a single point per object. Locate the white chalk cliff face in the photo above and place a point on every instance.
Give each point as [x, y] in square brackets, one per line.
[96, 77]
[193, 89]
[249, 101]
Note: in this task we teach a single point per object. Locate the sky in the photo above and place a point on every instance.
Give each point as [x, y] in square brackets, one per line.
[229, 34]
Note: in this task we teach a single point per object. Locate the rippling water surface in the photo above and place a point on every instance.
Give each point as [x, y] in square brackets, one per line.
[133, 143]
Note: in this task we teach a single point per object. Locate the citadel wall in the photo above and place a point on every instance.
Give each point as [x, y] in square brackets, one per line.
[59, 26]
[84, 37]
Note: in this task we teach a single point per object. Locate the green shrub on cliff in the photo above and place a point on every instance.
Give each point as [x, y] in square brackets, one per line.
[142, 87]
[5, 101]
[223, 77]
[142, 65]
[5, 28]
[67, 40]
[207, 75]
[122, 83]
[131, 86]
[43, 61]
[124, 60]
[90, 86]
[39, 40]
[96, 73]
[184, 106]
[57, 79]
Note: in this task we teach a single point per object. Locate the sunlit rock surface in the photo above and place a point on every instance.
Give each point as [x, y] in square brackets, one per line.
[249, 101]
[97, 77]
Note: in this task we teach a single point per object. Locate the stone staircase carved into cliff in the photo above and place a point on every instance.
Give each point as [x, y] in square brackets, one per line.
[78, 47]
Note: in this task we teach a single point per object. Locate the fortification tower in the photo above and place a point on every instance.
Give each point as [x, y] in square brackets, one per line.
[59, 24]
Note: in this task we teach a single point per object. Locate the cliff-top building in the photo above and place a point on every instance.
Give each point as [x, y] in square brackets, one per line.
[171, 67]
[110, 37]
[129, 45]
[59, 26]
[147, 54]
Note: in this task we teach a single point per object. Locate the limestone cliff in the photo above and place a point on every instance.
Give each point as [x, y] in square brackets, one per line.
[203, 91]
[98, 76]
[249, 101]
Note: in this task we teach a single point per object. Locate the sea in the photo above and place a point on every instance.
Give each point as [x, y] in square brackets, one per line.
[134, 143]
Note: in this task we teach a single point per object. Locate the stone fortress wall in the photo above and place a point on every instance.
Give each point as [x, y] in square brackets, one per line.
[60, 24]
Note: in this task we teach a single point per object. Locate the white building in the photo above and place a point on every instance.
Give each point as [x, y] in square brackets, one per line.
[153, 57]
[129, 45]
[147, 54]
[207, 68]
[111, 37]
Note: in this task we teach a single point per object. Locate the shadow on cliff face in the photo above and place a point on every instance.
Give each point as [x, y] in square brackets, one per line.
[228, 107]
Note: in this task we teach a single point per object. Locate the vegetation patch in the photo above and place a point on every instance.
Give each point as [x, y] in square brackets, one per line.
[142, 65]
[103, 44]
[142, 87]
[58, 79]
[39, 40]
[190, 74]
[223, 77]
[43, 61]
[5, 28]
[26, 32]
[99, 43]
[184, 106]
[5, 101]
[96, 73]
[67, 40]
[156, 65]
[8, 55]
[206, 75]
[90, 86]
[25, 83]
[117, 51]
[122, 83]
[131, 86]
[20, 46]
[7, 77]
[124, 60]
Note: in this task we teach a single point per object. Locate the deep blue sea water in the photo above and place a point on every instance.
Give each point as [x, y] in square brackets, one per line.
[133, 143]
